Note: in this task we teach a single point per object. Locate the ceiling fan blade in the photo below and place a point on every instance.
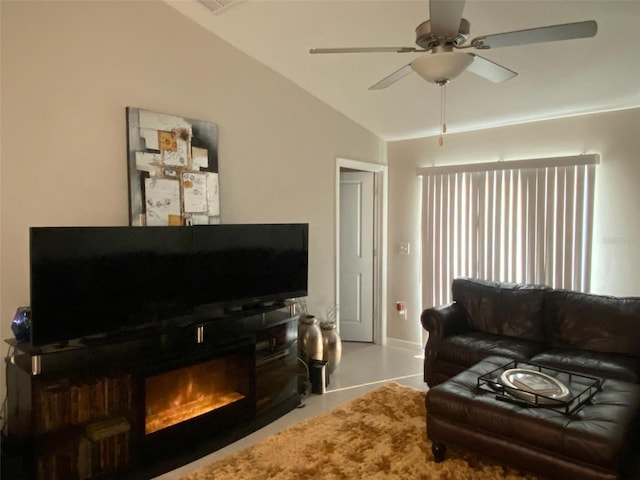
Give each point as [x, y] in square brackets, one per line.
[490, 70]
[393, 78]
[445, 16]
[552, 33]
[366, 50]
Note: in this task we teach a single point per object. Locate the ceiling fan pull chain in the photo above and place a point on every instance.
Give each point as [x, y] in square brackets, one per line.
[443, 112]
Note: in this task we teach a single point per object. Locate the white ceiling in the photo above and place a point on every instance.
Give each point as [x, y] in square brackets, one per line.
[554, 79]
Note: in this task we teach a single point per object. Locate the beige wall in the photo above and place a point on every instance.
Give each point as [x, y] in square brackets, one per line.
[69, 69]
[616, 229]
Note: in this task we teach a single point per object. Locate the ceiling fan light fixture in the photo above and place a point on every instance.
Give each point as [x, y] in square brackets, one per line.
[441, 67]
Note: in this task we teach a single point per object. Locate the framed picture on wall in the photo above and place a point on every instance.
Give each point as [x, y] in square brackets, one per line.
[173, 170]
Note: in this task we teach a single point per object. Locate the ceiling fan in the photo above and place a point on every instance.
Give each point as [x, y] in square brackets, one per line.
[446, 31]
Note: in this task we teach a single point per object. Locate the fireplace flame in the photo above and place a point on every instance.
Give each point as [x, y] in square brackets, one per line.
[180, 395]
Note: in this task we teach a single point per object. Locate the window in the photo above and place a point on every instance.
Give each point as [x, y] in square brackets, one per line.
[528, 222]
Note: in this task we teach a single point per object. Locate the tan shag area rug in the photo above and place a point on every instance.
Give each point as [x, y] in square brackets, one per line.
[378, 435]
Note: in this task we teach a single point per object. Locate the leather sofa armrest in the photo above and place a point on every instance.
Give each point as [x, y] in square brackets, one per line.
[441, 322]
[445, 320]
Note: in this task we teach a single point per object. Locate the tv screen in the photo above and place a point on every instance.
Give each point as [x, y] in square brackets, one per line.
[88, 281]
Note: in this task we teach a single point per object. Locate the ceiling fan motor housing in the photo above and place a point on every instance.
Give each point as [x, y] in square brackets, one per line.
[426, 39]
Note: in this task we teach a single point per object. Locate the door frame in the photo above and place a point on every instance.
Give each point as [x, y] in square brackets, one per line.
[380, 185]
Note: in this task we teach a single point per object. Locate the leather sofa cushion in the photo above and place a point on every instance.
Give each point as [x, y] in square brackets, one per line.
[513, 310]
[467, 349]
[593, 322]
[603, 365]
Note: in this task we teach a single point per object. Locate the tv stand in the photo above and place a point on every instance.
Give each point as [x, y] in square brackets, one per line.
[119, 336]
[80, 410]
[248, 308]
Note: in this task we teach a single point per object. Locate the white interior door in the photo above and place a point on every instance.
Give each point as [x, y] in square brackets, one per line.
[356, 256]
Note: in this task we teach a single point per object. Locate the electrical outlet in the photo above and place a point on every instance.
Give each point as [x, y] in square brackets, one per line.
[401, 308]
[404, 248]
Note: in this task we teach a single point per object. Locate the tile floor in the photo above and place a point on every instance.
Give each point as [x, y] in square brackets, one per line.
[364, 366]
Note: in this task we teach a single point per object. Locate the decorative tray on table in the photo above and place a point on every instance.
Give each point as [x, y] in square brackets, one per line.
[534, 385]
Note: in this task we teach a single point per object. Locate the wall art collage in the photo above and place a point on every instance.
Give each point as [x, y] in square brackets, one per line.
[173, 170]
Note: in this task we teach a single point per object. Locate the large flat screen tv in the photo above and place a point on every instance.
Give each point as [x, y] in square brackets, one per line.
[93, 281]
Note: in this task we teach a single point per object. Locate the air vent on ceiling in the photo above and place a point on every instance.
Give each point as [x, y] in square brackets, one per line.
[219, 6]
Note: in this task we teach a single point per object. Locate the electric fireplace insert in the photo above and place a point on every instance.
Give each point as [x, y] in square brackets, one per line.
[188, 392]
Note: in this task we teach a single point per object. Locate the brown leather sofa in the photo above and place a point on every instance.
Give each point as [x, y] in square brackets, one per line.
[593, 334]
[489, 323]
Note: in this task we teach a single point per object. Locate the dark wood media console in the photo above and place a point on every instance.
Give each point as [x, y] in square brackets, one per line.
[136, 408]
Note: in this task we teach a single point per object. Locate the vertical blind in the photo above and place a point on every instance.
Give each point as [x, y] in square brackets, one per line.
[528, 222]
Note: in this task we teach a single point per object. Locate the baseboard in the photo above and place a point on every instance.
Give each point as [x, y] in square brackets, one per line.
[397, 342]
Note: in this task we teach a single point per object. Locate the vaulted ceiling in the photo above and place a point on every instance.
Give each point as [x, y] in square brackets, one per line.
[554, 79]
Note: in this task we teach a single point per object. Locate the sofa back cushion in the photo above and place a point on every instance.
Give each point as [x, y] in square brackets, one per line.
[514, 310]
[597, 323]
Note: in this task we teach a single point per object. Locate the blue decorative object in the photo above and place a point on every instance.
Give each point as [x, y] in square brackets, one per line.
[21, 324]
